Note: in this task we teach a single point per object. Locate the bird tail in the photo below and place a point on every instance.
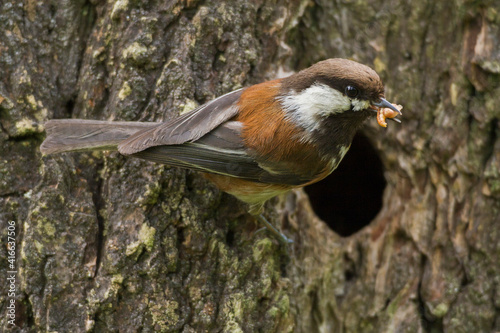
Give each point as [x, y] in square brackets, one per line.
[66, 135]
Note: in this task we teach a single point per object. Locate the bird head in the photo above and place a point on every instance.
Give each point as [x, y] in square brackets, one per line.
[332, 89]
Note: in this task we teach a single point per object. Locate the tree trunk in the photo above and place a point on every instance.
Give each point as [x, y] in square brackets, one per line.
[109, 243]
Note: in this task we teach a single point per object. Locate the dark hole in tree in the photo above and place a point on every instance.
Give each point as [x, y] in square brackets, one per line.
[351, 196]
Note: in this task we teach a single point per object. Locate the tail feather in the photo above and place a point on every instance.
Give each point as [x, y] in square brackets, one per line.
[65, 135]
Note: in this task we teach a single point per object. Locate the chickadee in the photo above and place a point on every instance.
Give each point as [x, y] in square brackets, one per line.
[255, 142]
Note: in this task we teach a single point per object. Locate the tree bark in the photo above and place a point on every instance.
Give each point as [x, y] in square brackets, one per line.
[109, 243]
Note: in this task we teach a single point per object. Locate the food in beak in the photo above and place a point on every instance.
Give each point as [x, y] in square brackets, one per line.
[384, 113]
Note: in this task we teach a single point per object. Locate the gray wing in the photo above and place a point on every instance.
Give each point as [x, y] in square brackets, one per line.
[221, 151]
[186, 128]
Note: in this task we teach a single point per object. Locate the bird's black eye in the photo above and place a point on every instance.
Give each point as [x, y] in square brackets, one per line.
[351, 91]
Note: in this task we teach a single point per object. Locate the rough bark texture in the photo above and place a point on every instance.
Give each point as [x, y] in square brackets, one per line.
[107, 243]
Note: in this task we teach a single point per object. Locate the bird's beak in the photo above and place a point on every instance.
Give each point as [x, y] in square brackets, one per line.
[383, 103]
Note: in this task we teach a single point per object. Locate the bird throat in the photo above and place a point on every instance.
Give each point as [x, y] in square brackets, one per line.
[333, 138]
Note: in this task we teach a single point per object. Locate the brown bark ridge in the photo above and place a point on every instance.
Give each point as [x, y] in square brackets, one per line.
[112, 244]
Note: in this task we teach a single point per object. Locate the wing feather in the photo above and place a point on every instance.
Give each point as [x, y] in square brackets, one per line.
[222, 151]
[186, 128]
[206, 140]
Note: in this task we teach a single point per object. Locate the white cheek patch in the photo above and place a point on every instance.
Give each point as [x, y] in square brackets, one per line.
[358, 105]
[306, 108]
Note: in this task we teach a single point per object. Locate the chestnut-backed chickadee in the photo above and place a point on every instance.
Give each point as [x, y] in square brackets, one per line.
[253, 143]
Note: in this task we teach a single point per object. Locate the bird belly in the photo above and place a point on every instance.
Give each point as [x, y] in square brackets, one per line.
[252, 193]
